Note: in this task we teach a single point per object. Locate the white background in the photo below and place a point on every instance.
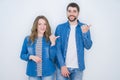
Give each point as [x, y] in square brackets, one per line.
[17, 16]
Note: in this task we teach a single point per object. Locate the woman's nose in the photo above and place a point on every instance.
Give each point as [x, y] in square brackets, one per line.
[42, 27]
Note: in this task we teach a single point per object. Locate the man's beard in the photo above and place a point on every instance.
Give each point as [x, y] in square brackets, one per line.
[72, 19]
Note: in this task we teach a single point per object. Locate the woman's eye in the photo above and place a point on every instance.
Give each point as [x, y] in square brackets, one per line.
[39, 24]
[45, 24]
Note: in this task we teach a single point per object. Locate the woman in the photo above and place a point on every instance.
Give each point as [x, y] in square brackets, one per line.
[39, 51]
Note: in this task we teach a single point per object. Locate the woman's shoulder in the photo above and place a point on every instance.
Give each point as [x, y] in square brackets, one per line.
[27, 37]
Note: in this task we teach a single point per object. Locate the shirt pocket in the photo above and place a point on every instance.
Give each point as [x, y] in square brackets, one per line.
[30, 50]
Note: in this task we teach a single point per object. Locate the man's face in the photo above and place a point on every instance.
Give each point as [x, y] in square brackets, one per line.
[72, 13]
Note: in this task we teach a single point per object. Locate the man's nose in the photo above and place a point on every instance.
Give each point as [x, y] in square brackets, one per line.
[71, 13]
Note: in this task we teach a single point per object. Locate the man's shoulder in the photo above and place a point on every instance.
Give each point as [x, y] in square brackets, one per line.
[81, 23]
[62, 25]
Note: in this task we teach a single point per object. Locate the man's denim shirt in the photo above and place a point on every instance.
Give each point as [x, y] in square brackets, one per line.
[83, 40]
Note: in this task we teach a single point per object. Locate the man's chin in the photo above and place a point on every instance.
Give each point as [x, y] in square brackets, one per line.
[71, 20]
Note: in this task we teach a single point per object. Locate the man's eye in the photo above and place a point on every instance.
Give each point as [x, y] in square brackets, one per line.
[69, 10]
[75, 11]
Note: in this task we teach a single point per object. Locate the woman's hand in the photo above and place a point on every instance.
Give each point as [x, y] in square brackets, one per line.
[35, 58]
[53, 39]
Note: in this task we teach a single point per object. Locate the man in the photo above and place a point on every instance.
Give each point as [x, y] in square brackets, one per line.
[74, 36]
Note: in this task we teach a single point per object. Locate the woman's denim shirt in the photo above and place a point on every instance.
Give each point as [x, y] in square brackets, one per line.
[48, 55]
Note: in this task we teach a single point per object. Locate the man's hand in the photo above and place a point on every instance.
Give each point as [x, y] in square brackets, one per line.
[64, 71]
[85, 28]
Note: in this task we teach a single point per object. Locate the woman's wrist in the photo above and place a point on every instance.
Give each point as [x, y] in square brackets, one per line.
[30, 57]
[52, 44]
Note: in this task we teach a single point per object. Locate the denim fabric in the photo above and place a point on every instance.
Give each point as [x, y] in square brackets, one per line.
[48, 53]
[83, 40]
[75, 74]
[51, 77]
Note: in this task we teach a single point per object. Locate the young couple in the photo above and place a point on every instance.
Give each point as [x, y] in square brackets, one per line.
[42, 50]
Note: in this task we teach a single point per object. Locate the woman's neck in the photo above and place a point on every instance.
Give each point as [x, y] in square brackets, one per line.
[40, 35]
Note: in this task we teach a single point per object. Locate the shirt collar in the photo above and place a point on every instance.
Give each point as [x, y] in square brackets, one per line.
[79, 23]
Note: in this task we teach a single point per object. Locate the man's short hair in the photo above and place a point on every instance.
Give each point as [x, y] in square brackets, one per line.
[73, 5]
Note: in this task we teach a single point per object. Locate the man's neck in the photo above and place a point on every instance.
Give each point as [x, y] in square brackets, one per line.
[73, 23]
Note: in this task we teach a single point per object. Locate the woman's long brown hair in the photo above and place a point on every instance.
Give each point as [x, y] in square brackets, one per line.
[34, 32]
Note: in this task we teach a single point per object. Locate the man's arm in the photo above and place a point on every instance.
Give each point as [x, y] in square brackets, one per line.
[63, 68]
[58, 47]
[86, 36]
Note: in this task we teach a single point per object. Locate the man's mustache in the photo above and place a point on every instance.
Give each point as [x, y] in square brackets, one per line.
[71, 15]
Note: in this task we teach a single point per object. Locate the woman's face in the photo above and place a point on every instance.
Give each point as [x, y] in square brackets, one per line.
[41, 28]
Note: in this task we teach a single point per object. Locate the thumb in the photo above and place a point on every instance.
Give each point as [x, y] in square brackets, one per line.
[89, 26]
[57, 37]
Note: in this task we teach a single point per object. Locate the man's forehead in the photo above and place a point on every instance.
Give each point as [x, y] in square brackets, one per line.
[72, 8]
